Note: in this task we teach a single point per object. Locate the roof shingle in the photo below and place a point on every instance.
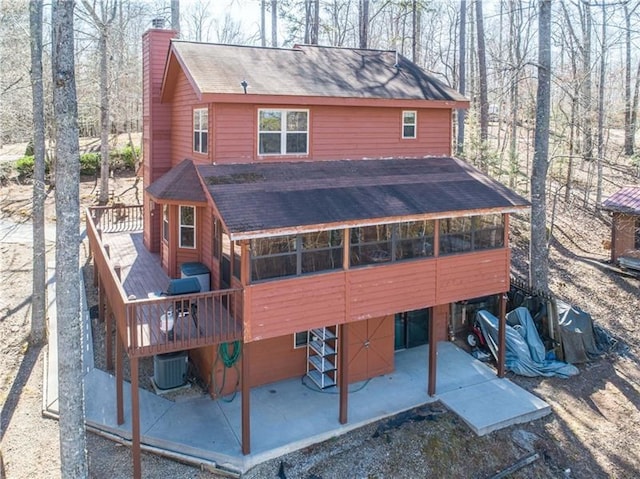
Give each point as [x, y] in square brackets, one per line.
[180, 183]
[309, 71]
[626, 200]
[262, 197]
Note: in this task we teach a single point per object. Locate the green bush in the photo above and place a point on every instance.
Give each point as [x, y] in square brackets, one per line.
[24, 167]
[124, 159]
[89, 163]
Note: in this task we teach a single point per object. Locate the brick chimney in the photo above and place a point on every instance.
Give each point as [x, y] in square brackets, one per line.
[156, 126]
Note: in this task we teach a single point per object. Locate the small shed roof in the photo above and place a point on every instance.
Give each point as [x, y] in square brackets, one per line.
[281, 198]
[626, 200]
[311, 71]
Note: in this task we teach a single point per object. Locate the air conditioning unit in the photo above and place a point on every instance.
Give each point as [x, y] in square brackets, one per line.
[170, 370]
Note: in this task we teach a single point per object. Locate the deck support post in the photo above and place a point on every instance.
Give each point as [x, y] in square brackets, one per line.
[246, 391]
[135, 420]
[433, 357]
[108, 338]
[119, 381]
[502, 326]
[343, 372]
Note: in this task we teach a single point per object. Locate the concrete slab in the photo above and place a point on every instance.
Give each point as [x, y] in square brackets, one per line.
[488, 406]
[100, 405]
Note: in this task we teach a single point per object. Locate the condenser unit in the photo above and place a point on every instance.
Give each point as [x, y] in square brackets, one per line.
[170, 370]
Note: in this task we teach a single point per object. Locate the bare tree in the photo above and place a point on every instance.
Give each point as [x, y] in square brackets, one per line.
[102, 15]
[175, 15]
[482, 73]
[274, 23]
[38, 302]
[462, 74]
[363, 24]
[263, 23]
[539, 255]
[71, 389]
[600, 132]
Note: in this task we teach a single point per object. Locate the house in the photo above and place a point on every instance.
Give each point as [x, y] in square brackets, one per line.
[624, 207]
[315, 190]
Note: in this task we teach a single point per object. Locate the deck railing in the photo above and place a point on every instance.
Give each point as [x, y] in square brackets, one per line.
[117, 218]
[160, 324]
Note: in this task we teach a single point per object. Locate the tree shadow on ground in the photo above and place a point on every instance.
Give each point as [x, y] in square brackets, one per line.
[13, 398]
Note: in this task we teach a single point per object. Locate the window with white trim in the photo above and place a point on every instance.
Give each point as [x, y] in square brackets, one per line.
[165, 222]
[300, 340]
[200, 130]
[187, 227]
[283, 132]
[409, 124]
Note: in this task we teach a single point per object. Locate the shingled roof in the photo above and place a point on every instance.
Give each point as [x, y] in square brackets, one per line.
[277, 198]
[626, 200]
[308, 71]
[180, 183]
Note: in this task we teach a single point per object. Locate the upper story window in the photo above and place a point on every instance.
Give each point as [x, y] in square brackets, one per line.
[471, 233]
[165, 222]
[200, 130]
[187, 227]
[409, 124]
[283, 132]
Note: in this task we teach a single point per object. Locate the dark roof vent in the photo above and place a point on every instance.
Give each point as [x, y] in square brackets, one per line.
[157, 23]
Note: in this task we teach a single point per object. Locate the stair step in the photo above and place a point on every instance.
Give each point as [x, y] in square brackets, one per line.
[323, 349]
[323, 334]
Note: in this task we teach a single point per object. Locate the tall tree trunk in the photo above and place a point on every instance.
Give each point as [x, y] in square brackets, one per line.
[603, 67]
[263, 23]
[628, 132]
[587, 109]
[73, 453]
[363, 24]
[274, 23]
[38, 301]
[175, 15]
[482, 71]
[105, 123]
[415, 33]
[539, 264]
[462, 72]
[634, 104]
[315, 30]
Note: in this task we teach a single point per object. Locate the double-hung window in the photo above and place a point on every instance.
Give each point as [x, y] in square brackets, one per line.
[409, 124]
[283, 132]
[200, 130]
[187, 227]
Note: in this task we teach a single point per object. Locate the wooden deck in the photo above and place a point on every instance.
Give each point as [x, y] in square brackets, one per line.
[134, 282]
[140, 270]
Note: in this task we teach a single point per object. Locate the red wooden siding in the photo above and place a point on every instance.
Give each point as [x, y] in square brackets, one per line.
[183, 103]
[296, 304]
[623, 234]
[283, 306]
[472, 275]
[379, 290]
[336, 132]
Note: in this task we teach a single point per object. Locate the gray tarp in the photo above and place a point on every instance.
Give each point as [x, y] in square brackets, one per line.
[576, 334]
[525, 354]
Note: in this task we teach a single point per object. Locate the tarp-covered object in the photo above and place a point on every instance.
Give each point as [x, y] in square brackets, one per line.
[525, 353]
[576, 334]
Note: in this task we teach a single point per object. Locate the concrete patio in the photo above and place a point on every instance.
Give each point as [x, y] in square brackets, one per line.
[202, 430]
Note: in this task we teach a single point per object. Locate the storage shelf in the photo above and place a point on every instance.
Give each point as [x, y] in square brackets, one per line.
[322, 356]
[322, 380]
[322, 364]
